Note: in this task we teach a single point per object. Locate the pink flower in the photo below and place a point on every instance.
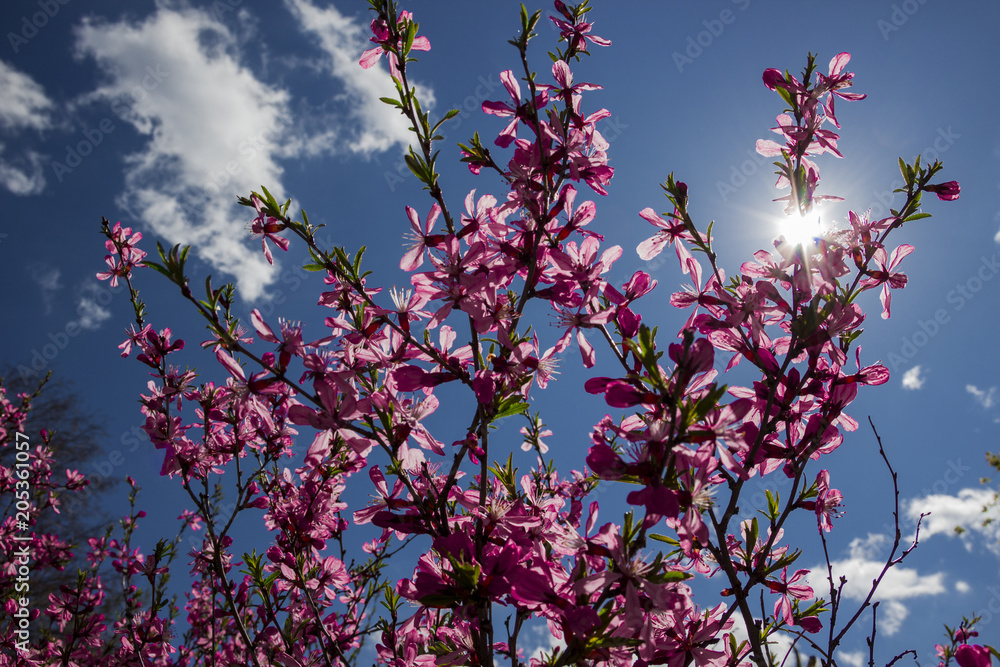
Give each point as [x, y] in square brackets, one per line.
[788, 589]
[380, 30]
[972, 655]
[574, 31]
[885, 277]
[514, 110]
[192, 519]
[135, 338]
[945, 191]
[671, 230]
[827, 503]
[267, 227]
[421, 236]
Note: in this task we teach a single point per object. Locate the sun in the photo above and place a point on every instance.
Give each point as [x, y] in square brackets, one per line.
[801, 229]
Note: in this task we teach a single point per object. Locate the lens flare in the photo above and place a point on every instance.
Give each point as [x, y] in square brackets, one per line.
[800, 229]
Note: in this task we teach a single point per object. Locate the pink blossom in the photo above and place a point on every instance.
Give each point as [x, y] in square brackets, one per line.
[972, 655]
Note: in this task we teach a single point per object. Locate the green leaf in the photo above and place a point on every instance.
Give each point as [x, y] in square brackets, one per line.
[439, 601]
[917, 216]
[752, 535]
[511, 408]
[786, 95]
[270, 200]
[357, 259]
[411, 34]
[772, 503]
[156, 267]
[448, 116]
[671, 576]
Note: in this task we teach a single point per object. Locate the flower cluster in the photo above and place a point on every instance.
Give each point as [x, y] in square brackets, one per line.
[964, 653]
[125, 254]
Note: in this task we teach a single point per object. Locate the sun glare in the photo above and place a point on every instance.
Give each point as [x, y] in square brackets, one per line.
[800, 229]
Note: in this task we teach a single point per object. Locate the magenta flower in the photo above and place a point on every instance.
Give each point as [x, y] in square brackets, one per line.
[827, 504]
[567, 91]
[192, 519]
[576, 33]
[267, 227]
[514, 110]
[121, 262]
[945, 191]
[380, 30]
[135, 338]
[972, 655]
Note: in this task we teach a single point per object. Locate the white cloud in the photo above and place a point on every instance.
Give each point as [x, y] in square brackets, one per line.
[864, 563]
[343, 39]
[23, 175]
[962, 587]
[539, 639]
[23, 106]
[912, 379]
[47, 279]
[214, 132]
[965, 510]
[984, 397]
[891, 615]
[91, 313]
[855, 658]
[779, 644]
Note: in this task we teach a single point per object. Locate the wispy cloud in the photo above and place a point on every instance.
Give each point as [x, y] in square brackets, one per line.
[852, 658]
[23, 106]
[538, 639]
[964, 510]
[89, 309]
[47, 279]
[984, 397]
[779, 644]
[912, 379]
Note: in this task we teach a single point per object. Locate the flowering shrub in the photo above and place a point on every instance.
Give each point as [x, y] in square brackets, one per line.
[498, 550]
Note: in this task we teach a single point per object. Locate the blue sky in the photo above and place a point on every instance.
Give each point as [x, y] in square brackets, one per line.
[160, 114]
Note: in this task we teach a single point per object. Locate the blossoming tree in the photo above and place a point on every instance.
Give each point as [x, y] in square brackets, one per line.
[497, 550]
